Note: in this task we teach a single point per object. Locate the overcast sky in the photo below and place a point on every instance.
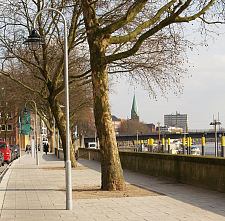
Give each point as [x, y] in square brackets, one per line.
[203, 96]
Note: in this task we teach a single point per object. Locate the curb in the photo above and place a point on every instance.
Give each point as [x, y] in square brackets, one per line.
[4, 182]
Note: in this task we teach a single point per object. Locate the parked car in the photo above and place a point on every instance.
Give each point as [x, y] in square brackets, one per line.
[2, 161]
[4, 147]
[16, 150]
[13, 153]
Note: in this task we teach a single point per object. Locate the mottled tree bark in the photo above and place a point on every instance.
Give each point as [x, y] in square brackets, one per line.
[112, 173]
[61, 124]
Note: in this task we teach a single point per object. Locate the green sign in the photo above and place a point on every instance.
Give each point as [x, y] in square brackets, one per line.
[25, 123]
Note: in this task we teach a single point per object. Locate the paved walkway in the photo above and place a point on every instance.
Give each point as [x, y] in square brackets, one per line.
[30, 192]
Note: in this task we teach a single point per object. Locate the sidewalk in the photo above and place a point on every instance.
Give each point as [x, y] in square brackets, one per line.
[31, 192]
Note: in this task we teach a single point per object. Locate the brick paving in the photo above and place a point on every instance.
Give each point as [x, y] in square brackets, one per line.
[31, 192]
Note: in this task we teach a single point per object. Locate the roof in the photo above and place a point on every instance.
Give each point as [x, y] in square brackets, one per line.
[134, 107]
[114, 118]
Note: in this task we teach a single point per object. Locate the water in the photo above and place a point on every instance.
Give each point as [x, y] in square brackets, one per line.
[209, 148]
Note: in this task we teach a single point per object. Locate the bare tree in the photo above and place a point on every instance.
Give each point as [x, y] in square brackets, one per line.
[141, 39]
[145, 39]
[131, 127]
[45, 67]
[10, 107]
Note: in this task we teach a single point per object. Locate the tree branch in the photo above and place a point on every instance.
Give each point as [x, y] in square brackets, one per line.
[139, 29]
[130, 15]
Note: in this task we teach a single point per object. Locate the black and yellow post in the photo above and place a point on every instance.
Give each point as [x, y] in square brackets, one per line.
[223, 146]
[151, 145]
[168, 140]
[203, 146]
[188, 145]
[183, 144]
[163, 144]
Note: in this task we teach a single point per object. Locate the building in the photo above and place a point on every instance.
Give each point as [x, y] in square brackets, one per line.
[151, 127]
[170, 129]
[177, 120]
[134, 110]
[12, 129]
[116, 123]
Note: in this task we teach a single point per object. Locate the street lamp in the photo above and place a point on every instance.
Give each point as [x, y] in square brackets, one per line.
[25, 112]
[215, 122]
[34, 43]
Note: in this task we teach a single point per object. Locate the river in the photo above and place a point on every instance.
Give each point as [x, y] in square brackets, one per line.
[209, 148]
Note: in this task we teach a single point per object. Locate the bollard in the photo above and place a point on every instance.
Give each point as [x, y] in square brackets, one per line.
[151, 145]
[183, 144]
[203, 146]
[189, 145]
[163, 144]
[168, 145]
[223, 146]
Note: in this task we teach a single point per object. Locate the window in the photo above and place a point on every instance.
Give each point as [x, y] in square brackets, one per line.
[10, 114]
[3, 146]
[9, 127]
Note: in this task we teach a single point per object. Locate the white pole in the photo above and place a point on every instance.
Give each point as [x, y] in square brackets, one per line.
[54, 136]
[68, 162]
[35, 129]
[41, 135]
[37, 158]
[19, 138]
[58, 142]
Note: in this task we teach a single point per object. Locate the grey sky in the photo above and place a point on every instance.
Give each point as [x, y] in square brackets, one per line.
[203, 96]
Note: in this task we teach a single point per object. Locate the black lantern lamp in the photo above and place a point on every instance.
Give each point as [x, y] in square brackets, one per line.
[34, 41]
[25, 111]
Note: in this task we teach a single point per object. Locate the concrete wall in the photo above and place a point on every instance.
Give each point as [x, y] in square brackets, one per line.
[76, 145]
[206, 172]
[89, 154]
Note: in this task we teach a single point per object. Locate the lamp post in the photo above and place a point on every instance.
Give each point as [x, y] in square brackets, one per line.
[25, 111]
[33, 152]
[34, 43]
[54, 136]
[215, 122]
[19, 128]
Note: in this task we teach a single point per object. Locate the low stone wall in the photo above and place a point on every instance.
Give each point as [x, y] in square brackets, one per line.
[206, 172]
[59, 153]
[89, 154]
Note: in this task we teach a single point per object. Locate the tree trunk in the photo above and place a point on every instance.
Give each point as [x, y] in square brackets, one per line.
[61, 124]
[51, 142]
[51, 124]
[112, 173]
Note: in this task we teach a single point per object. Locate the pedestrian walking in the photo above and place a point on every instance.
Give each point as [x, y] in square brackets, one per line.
[46, 146]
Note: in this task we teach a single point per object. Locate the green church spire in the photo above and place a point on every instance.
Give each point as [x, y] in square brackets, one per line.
[134, 110]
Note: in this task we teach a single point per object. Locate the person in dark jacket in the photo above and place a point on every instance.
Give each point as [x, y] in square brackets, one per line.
[46, 146]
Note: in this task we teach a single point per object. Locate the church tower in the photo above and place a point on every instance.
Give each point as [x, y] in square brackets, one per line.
[134, 110]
